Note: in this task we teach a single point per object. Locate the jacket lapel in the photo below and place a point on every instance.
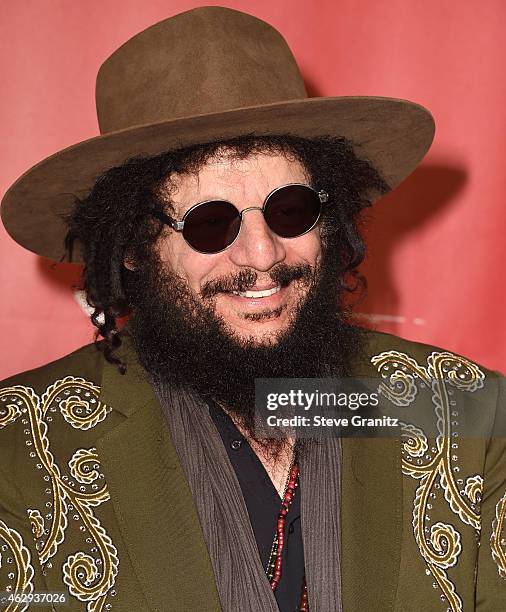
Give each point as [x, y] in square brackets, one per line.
[152, 501]
[371, 515]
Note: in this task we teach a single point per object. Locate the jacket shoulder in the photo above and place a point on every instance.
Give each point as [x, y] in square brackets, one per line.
[59, 401]
[437, 379]
[382, 343]
[86, 362]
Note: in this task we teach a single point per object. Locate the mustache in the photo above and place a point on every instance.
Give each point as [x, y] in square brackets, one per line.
[281, 274]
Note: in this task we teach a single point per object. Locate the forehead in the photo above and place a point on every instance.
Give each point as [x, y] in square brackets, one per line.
[234, 178]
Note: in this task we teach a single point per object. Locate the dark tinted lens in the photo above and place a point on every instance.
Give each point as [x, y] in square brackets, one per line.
[292, 210]
[212, 226]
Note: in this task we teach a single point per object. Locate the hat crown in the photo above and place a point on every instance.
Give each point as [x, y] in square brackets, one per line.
[207, 60]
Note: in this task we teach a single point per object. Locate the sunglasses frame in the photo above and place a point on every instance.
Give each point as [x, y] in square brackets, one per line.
[178, 226]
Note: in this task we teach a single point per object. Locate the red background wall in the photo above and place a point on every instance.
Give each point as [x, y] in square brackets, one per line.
[437, 245]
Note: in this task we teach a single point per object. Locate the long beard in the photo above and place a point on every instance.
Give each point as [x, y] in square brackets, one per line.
[180, 340]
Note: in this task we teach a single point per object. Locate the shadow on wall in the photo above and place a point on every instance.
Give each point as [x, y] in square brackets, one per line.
[429, 191]
[424, 195]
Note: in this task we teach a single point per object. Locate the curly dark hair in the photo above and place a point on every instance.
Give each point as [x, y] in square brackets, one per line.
[115, 220]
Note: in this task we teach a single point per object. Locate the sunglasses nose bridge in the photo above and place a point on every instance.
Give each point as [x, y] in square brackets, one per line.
[245, 210]
[256, 245]
[248, 209]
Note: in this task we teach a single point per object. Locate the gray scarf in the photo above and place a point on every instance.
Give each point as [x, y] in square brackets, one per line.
[240, 578]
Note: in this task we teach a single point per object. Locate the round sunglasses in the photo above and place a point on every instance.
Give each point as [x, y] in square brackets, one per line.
[214, 225]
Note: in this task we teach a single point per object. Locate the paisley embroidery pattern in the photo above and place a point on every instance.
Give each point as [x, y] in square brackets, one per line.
[71, 497]
[15, 556]
[497, 539]
[435, 467]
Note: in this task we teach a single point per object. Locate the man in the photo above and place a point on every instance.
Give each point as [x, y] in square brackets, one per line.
[220, 209]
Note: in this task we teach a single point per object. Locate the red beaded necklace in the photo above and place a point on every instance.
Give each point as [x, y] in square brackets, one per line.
[274, 565]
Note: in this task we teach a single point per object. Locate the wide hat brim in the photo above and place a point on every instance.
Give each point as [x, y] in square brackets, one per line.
[392, 134]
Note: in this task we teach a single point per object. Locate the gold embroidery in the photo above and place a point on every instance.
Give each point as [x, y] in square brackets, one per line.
[89, 578]
[10, 404]
[448, 589]
[402, 379]
[497, 542]
[83, 465]
[37, 522]
[77, 400]
[15, 556]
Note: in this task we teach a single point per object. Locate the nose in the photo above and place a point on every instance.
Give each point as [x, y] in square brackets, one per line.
[256, 246]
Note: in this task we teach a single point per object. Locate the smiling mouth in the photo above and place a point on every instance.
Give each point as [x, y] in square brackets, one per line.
[258, 294]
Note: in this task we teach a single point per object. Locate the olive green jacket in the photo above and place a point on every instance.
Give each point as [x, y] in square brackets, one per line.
[94, 502]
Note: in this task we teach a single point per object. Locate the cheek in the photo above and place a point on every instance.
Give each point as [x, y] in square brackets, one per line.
[189, 265]
[307, 247]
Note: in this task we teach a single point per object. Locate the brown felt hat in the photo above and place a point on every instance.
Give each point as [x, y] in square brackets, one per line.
[206, 74]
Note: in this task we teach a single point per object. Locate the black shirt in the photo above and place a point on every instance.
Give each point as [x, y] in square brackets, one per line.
[263, 504]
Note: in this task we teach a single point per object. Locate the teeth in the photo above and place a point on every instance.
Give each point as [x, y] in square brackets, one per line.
[257, 294]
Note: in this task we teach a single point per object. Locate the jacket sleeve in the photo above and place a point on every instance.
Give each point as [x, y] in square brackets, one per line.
[491, 568]
[20, 571]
